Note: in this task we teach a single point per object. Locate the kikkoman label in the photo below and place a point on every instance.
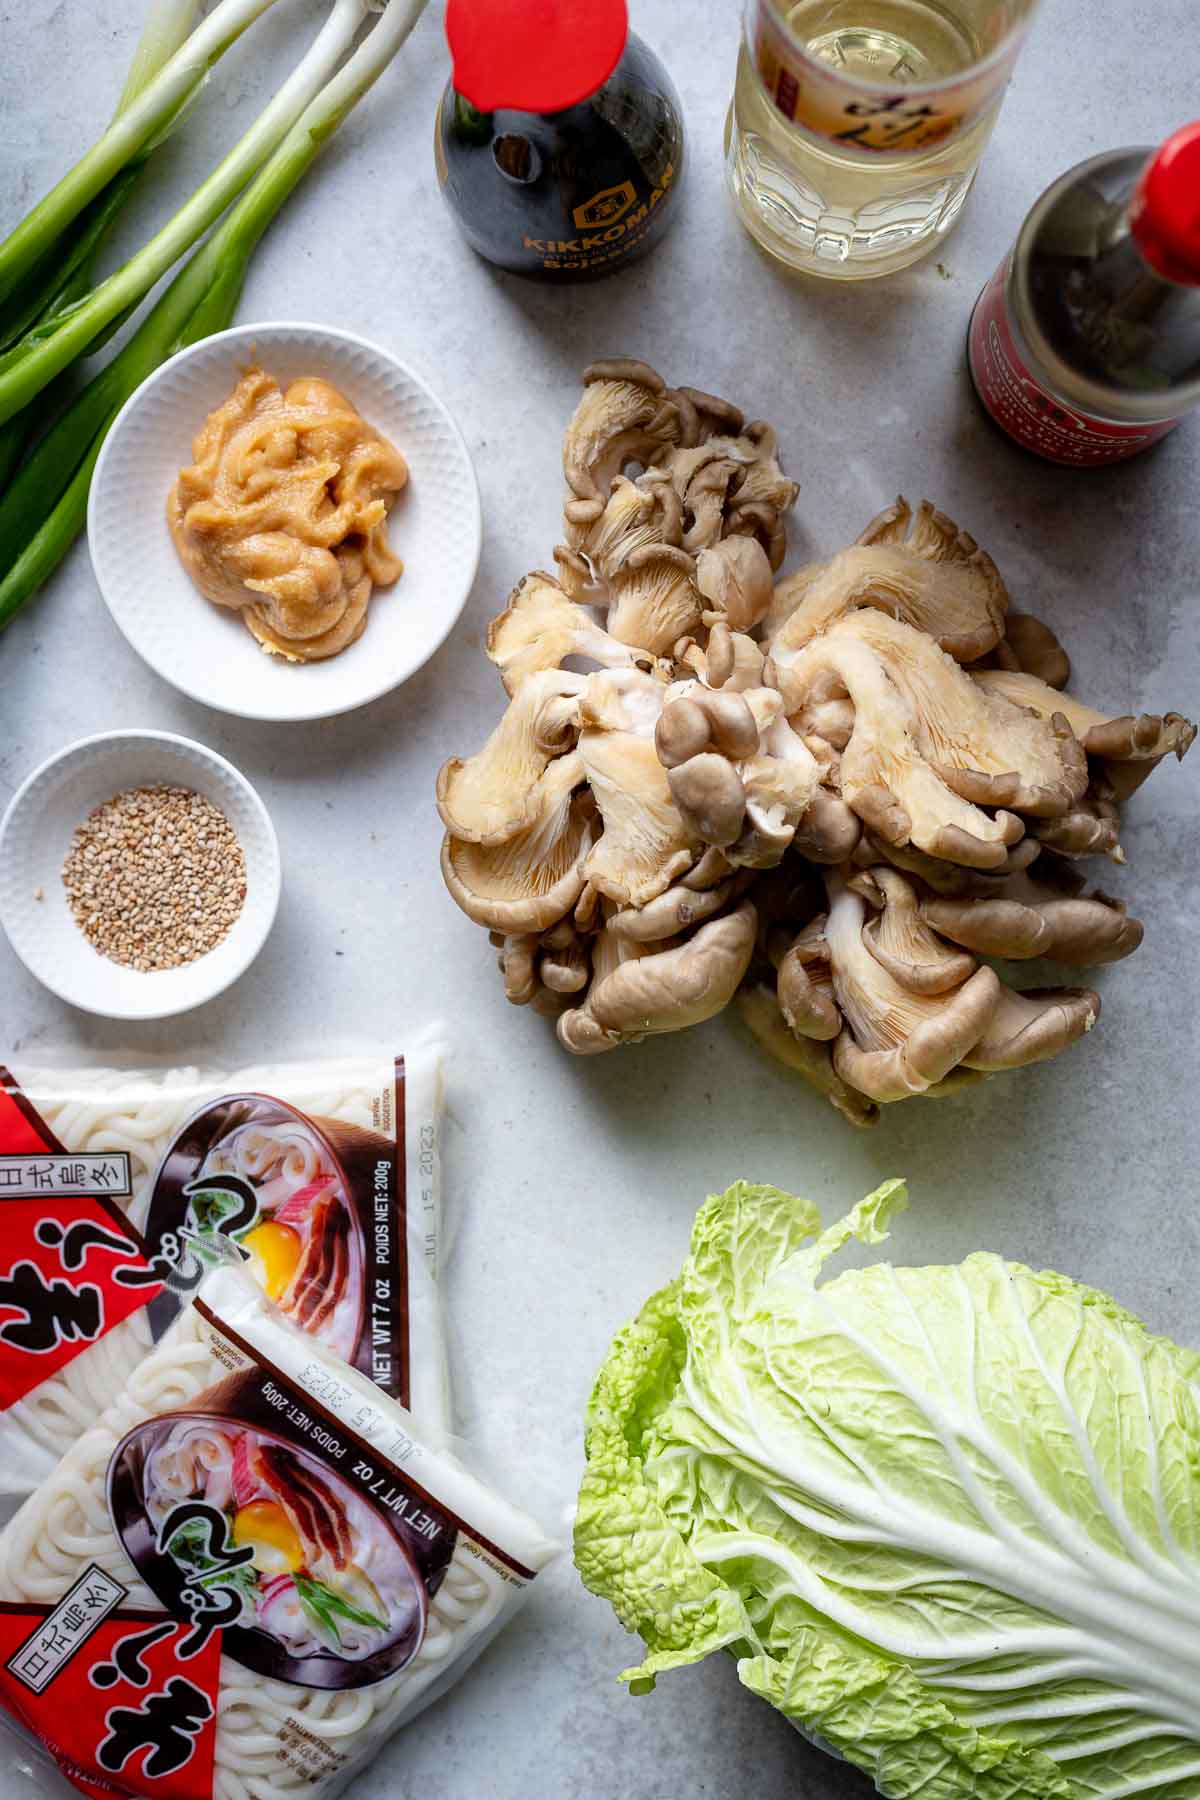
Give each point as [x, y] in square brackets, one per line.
[823, 102]
[71, 1265]
[609, 226]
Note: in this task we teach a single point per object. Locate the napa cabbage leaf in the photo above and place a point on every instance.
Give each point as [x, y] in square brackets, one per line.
[947, 1520]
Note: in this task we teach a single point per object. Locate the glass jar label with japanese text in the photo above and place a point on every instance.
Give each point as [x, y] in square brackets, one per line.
[824, 102]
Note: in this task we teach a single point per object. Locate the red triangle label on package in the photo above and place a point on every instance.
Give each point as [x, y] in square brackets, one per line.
[124, 1701]
[71, 1264]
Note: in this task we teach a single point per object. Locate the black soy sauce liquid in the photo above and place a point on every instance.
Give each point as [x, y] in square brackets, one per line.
[571, 195]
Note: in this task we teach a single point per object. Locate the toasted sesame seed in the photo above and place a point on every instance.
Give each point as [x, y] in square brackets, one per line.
[155, 877]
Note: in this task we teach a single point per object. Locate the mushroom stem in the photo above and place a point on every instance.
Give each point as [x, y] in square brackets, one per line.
[804, 1056]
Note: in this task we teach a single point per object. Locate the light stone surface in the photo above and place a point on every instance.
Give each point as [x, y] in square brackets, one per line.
[573, 1183]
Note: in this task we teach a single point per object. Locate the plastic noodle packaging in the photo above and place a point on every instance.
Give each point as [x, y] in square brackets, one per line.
[250, 1573]
[326, 1174]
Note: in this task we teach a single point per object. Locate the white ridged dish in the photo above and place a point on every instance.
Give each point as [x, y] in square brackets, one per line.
[206, 650]
[35, 836]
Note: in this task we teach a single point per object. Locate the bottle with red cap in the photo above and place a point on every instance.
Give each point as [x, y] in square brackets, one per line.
[559, 138]
[1085, 344]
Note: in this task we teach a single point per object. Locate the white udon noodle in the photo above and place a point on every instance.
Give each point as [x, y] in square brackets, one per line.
[65, 1526]
[97, 1111]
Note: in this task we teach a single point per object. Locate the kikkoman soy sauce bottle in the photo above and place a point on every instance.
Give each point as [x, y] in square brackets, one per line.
[559, 138]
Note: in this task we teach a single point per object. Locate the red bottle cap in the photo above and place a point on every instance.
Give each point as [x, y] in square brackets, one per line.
[534, 56]
[1165, 219]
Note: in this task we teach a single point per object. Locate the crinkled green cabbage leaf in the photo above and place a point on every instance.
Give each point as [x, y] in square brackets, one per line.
[946, 1519]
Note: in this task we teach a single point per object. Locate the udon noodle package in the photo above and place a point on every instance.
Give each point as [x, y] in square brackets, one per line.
[251, 1572]
[115, 1184]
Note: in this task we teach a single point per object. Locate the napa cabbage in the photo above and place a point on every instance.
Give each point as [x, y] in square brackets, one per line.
[947, 1520]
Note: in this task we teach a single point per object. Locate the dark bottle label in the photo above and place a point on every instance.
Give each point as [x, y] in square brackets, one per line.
[610, 227]
[1031, 414]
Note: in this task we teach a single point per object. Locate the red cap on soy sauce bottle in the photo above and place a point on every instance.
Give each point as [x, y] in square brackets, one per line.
[559, 138]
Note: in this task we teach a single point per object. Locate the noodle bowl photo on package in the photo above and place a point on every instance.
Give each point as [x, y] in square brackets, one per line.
[280, 1185]
[329, 1592]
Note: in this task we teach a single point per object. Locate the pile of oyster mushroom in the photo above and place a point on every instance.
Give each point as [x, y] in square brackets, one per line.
[831, 796]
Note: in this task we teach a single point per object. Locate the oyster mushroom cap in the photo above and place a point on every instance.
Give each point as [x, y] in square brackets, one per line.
[708, 792]
[953, 879]
[1091, 828]
[807, 1057]
[566, 971]
[654, 599]
[1036, 650]
[703, 477]
[764, 484]
[829, 832]
[804, 986]
[518, 965]
[532, 879]
[712, 868]
[922, 570]
[695, 719]
[684, 730]
[666, 990]
[1032, 1027]
[735, 579]
[678, 910]
[490, 796]
[712, 413]
[635, 517]
[916, 717]
[1140, 739]
[577, 1030]
[645, 843]
[541, 626]
[900, 938]
[1023, 920]
[993, 755]
[624, 415]
[896, 1042]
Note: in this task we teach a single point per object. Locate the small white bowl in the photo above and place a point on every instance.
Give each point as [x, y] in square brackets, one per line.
[35, 835]
[206, 650]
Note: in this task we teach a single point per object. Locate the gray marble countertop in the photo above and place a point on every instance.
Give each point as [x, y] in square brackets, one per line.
[573, 1183]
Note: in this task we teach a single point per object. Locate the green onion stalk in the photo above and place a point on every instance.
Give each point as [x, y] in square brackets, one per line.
[45, 507]
[64, 272]
[159, 86]
[46, 350]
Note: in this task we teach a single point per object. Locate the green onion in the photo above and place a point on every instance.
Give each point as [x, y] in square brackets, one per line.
[46, 350]
[45, 506]
[64, 273]
[146, 111]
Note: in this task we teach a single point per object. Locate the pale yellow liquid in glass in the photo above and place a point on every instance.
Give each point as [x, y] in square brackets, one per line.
[835, 210]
